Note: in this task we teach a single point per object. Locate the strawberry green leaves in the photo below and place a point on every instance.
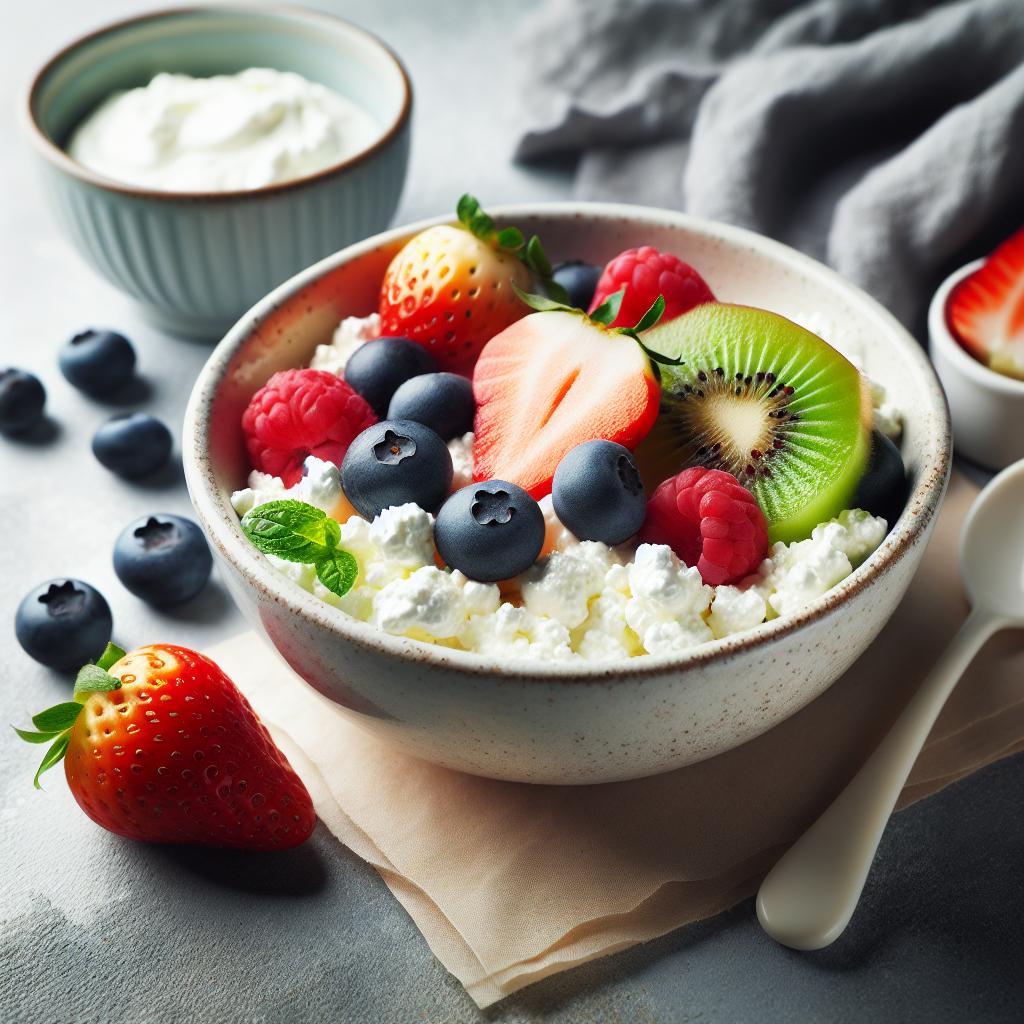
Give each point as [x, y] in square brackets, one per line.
[297, 532]
[472, 216]
[54, 725]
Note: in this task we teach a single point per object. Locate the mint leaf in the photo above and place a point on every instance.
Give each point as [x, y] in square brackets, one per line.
[58, 718]
[112, 654]
[92, 679]
[291, 530]
[609, 309]
[51, 757]
[35, 737]
[337, 571]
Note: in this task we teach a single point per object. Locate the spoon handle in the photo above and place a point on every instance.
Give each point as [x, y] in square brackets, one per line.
[808, 898]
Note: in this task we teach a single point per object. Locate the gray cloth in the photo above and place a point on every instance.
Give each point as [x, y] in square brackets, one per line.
[883, 136]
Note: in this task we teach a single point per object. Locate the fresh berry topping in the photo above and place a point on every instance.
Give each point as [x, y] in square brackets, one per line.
[132, 444]
[490, 531]
[395, 462]
[63, 623]
[377, 368]
[579, 281]
[442, 401]
[160, 746]
[711, 521]
[97, 362]
[22, 398]
[986, 309]
[882, 490]
[450, 287]
[163, 559]
[550, 382]
[598, 494]
[645, 274]
[299, 413]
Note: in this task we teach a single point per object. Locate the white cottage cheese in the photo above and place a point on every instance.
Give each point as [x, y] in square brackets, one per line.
[585, 600]
[227, 132]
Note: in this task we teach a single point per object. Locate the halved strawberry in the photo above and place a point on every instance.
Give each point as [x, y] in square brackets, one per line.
[451, 288]
[553, 380]
[986, 309]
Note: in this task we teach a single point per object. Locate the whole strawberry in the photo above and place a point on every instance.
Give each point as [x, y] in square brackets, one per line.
[711, 521]
[160, 746]
[644, 274]
[298, 413]
[450, 288]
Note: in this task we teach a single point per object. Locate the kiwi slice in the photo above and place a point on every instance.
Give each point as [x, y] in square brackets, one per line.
[765, 400]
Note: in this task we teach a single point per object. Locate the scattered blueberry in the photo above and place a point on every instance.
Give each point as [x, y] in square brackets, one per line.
[490, 531]
[63, 623]
[394, 462]
[163, 559]
[579, 280]
[132, 444]
[442, 401]
[376, 368]
[97, 362]
[22, 398]
[597, 492]
[882, 490]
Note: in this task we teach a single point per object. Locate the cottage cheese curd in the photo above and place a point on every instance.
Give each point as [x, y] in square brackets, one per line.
[255, 128]
[585, 600]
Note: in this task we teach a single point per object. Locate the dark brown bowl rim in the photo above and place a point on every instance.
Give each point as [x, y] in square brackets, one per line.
[59, 158]
[226, 536]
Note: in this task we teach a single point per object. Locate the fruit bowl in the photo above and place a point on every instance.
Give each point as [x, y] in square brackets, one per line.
[568, 723]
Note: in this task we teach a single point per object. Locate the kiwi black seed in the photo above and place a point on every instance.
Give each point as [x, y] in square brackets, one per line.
[766, 400]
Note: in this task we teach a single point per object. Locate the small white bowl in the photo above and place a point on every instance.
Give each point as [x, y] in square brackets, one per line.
[987, 407]
[568, 722]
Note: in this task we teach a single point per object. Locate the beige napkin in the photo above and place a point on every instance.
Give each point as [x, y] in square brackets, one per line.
[510, 883]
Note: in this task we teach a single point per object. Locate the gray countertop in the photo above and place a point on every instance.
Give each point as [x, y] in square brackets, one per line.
[97, 929]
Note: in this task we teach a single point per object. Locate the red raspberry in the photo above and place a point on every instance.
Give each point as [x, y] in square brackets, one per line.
[646, 273]
[299, 413]
[710, 520]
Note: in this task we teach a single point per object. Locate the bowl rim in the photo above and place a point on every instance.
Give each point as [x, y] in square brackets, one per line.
[221, 523]
[960, 360]
[57, 156]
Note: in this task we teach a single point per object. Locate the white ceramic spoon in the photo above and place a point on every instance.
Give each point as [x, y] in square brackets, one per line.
[808, 898]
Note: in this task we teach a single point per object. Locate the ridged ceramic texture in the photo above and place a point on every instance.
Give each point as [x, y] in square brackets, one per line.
[197, 266]
[197, 262]
[568, 722]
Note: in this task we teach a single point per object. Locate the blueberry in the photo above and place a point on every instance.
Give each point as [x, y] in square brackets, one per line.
[442, 401]
[882, 490]
[132, 444]
[163, 559]
[63, 623]
[394, 462]
[22, 398]
[376, 368]
[490, 531]
[597, 492]
[97, 362]
[579, 280]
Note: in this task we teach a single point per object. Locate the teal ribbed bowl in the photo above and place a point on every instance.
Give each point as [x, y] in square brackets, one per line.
[196, 261]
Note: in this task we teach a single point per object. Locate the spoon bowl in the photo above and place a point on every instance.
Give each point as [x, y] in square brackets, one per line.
[992, 546]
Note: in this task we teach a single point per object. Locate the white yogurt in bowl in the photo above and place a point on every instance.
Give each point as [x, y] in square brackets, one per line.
[225, 133]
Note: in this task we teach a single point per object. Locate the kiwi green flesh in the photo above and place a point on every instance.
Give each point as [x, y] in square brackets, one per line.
[766, 400]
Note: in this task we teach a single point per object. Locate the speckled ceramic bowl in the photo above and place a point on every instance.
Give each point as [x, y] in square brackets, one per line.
[568, 723]
[196, 261]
